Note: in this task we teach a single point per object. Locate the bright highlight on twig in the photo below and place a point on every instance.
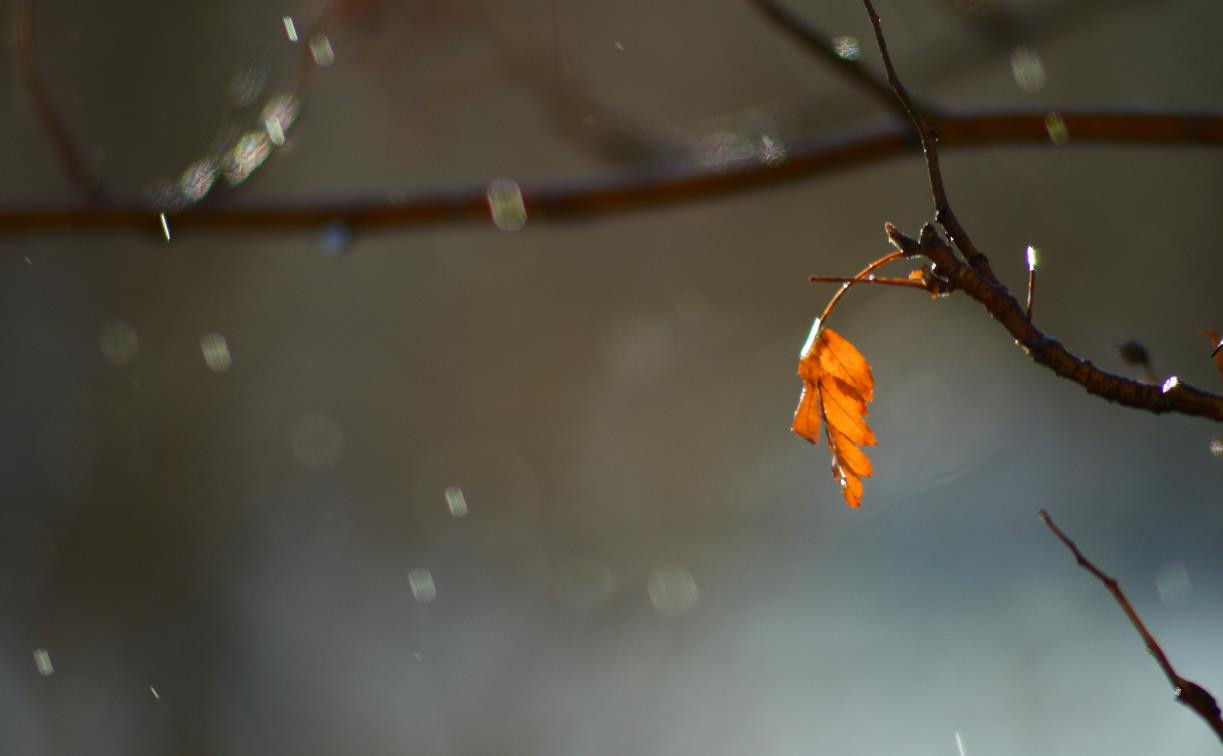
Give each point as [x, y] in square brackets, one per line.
[290, 28]
[165, 226]
[1031, 282]
[810, 342]
[1170, 384]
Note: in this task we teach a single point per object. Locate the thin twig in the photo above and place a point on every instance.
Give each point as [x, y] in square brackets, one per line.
[1186, 692]
[929, 141]
[910, 283]
[861, 277]
[1176, 396]
[71, 163]
[819, 44]
[567, 201]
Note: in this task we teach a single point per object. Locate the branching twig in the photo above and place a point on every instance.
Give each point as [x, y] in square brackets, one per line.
[1187, 692]
[1173, 396]
[929, 142]
[71, 163]
[977, 281]
[861, 277]
[816, 42]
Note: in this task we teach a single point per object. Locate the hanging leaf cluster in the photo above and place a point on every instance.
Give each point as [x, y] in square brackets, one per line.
[837, 384]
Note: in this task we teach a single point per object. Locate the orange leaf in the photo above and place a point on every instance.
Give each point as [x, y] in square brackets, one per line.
[807, 416]
[837, 384]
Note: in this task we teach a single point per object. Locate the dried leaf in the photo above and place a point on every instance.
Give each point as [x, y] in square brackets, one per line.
[837, 384]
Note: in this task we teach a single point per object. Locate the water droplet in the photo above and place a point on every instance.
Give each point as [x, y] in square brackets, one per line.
[1173, 584]
[317, 441]
[771, 150]
[156, 695]
[197, 179]
[847, 47]
[421, 582]
[1056, 127]
[290, 28]
[42, 662]
[320, 49]
[336, 238]
[733, 138]
[165, 226]
[672, 591]
[276, 132]
[278, 115]
[1170, 384]
[456, 502]
[247, 155]
[506, 205]
[1028, 70]
[216, 352]
[1031, 258]
[119, 342]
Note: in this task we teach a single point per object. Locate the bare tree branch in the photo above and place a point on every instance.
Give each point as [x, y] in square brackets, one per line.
[978, 281]
[1187, 692]
[567, 201]
[929, 143]
[1173, 396]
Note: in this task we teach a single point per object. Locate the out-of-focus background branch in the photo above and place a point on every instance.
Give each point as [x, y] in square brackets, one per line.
[458, 489]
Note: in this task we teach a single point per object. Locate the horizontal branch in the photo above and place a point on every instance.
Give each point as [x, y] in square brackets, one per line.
[566, 201]
[1187, 692]
[1172, 396]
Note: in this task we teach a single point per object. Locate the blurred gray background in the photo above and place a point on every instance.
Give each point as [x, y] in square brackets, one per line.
[454, 490]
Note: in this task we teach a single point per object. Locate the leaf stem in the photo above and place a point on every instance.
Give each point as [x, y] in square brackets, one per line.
[908, 282]
[859, 278]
